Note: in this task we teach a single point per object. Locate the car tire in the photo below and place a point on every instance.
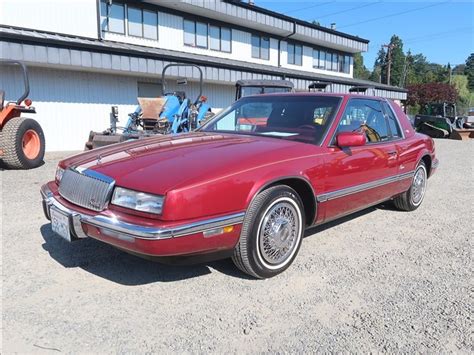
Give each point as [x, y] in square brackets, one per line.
[271, 234]
[412, 199]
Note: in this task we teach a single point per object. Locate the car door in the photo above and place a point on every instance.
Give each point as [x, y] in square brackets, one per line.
[407, 149]
[361, 176]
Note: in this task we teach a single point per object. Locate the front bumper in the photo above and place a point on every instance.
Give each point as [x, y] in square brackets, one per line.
[160, 240]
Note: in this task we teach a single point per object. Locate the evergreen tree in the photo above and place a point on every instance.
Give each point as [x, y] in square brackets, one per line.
[469, 72]
[360, 70]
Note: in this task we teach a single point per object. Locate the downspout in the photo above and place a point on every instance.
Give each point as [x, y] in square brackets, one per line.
[99, 25]
[282, 39]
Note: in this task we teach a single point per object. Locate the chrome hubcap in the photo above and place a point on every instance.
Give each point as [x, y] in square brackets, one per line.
[419, 185]
[279, 233]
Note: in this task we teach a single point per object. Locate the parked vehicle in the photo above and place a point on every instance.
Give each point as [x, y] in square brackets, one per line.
[248, 194]
[438, 120]
[174, 112]
[256, 87]
[22, 142]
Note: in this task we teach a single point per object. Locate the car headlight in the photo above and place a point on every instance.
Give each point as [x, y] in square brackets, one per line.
[59, 174]
[138, 201]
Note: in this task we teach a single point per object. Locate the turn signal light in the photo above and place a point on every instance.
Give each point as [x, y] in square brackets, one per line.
[28, 102]
[217, 231]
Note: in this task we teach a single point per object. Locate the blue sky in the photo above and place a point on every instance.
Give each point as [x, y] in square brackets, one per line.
[442, 30]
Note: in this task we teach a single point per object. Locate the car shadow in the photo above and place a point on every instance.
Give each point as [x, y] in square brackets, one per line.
[115, 265]
[322, 227]
[110, 263]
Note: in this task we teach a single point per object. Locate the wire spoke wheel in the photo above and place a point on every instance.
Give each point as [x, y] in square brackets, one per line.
[279, 233]
[418, 186]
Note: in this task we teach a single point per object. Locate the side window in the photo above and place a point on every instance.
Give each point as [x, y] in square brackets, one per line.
[365, 116]
[392, 122]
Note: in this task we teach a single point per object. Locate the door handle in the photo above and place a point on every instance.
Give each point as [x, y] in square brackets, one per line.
[392, 152]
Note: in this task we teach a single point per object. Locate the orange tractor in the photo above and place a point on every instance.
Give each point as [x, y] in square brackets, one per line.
[21, 139]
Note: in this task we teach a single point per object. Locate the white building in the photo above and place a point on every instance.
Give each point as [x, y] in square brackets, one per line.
[86, 55]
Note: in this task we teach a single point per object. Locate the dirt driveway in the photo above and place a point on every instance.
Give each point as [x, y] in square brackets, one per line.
[380, 280]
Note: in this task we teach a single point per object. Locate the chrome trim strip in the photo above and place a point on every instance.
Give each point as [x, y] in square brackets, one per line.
[115, 226]
[362, 187]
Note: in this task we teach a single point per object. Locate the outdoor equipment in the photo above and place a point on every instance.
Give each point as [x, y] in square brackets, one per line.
[171, 113]
[363, 90]
[439, 120]
[22, 141]
[256, 87]
[318, 86]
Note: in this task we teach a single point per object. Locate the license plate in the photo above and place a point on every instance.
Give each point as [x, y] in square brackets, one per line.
[60, 224]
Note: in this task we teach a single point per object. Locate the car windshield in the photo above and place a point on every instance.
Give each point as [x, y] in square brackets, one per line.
[300, 118]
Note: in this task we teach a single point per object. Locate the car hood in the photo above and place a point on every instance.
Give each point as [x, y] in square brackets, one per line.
[161, 163]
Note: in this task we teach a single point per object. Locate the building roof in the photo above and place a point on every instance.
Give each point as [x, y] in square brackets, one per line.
[262, 10]
[26, 36]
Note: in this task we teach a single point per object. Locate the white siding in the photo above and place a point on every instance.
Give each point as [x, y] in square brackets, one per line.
[171, 37]
[69, 104]
[74, 17]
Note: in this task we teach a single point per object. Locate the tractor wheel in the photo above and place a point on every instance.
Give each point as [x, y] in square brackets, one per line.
[22, 143]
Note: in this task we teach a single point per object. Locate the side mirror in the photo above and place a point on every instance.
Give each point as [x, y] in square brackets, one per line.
[350, 139]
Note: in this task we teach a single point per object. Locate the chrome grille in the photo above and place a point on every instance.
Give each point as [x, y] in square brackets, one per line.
[86, 188]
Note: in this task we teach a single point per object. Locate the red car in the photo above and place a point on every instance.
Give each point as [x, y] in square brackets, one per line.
[248, 191]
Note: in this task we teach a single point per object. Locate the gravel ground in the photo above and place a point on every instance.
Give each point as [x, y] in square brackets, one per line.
[380, 280]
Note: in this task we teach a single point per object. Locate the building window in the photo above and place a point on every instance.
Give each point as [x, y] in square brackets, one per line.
[135, 22]
[195, 33]
[318, 58]
[331, 61]
[140, 22]
[116, 19]
[295, 54]
[335, 61]
[150, 24]
[220, 38]
[189, 33]
[260, 47]
[347, 64]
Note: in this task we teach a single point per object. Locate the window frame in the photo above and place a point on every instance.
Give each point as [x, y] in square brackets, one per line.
[332, 141]
[157, 24]
[294, 45]
[128, 21]
[260, 37]
[195, 22]
[387, 109]
[210, 25]
[105, 19]
[125, 19]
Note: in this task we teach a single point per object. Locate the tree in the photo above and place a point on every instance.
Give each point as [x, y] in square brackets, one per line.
[397, 61]
[465, 97]
[422, 94]
[360, 70]
[459, 69]
[469, 72]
